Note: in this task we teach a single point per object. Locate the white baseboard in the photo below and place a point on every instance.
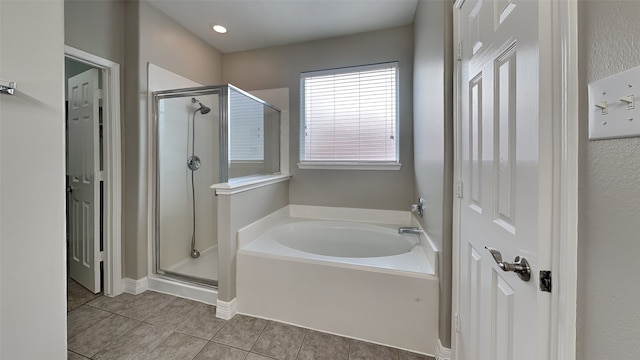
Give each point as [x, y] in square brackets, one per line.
[135, 287]
[442, 353]
[226, 310]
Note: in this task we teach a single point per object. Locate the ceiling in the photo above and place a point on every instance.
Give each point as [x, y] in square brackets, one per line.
[256, 24]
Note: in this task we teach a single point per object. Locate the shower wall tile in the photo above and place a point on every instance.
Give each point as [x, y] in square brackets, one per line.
[280, 341]
[202, 322]
[241, 332]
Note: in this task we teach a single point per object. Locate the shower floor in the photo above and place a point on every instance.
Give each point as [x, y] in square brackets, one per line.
[206, 266]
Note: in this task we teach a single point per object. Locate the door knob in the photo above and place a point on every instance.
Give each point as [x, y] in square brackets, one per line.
[519, 265]
[71, 188]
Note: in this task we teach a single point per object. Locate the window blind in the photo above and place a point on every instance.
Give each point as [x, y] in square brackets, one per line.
[246, 129]
[350, 115]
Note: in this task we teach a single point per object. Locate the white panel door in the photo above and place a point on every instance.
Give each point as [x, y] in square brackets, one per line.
[506, 197]
[83, 172]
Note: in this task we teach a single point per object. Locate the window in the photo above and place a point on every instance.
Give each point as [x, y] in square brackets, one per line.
[246, 128]
[350, 118]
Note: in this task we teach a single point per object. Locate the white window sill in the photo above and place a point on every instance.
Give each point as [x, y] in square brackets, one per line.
[238, 185]
[349, 166]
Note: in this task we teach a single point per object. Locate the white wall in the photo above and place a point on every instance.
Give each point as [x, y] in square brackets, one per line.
[32, 196]
[608, 318]
[433, 137]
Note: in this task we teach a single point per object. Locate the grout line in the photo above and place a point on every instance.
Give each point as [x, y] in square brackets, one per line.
[304, 338]
[71, 351]
[191, 314]
[259, 335]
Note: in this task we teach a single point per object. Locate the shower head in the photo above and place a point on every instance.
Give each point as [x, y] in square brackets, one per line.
[203, 109]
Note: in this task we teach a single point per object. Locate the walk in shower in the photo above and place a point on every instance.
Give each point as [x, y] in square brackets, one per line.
[204, 136]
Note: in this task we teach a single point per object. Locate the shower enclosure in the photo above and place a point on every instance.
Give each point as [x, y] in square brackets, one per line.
[204, 136]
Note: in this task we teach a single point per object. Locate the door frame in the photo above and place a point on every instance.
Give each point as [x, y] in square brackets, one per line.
[561, 68]
[112, 173]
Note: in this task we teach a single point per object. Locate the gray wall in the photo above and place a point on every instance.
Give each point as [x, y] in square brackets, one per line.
[32, 231]
[96, 27]
[235, 212]
[99, 27]
[152, 38]
[609, 189]
[279, 67]
[433, 137]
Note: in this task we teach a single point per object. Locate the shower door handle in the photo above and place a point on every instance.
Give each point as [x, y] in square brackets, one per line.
[519, 265]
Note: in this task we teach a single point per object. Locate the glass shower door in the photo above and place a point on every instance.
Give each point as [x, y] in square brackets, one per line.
[188, 163]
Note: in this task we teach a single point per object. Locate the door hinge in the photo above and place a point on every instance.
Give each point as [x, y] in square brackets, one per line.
[459, 51]
[102, 256]
[457, 322]
[100, 176]
[99, 93]
[459, 189]
[545, 280]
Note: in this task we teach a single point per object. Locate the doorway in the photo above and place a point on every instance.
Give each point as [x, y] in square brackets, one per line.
[557, 109]
[96, 244]
[84, 121]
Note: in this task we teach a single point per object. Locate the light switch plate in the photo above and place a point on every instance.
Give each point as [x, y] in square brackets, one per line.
[614, 106]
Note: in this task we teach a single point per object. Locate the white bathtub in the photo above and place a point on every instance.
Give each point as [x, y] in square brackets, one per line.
[354, 279]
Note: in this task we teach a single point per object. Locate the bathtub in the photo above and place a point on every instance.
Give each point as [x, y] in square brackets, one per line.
[351, 278]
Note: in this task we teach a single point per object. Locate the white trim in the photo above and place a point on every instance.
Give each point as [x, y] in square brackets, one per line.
[112, 168]
[457, 176]
[243, 184]
[226, 310]
[564, 262]
[135, 287]
[183, 290]
[442, 353]
[348, 166]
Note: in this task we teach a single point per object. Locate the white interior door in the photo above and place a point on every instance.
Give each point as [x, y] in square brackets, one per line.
[83, 172]
[504, 172]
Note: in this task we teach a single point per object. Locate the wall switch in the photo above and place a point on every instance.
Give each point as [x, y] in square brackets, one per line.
[612, 110]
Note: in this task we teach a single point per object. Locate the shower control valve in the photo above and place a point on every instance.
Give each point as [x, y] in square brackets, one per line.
[193, 163]
[419, 207]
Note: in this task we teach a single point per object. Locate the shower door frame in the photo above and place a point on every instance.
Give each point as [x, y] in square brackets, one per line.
[222, 91]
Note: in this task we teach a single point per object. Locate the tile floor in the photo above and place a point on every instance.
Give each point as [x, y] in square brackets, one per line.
[78, 295]
[155, 326]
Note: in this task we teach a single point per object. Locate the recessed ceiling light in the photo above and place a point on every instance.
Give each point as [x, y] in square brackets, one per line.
[219, 29]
